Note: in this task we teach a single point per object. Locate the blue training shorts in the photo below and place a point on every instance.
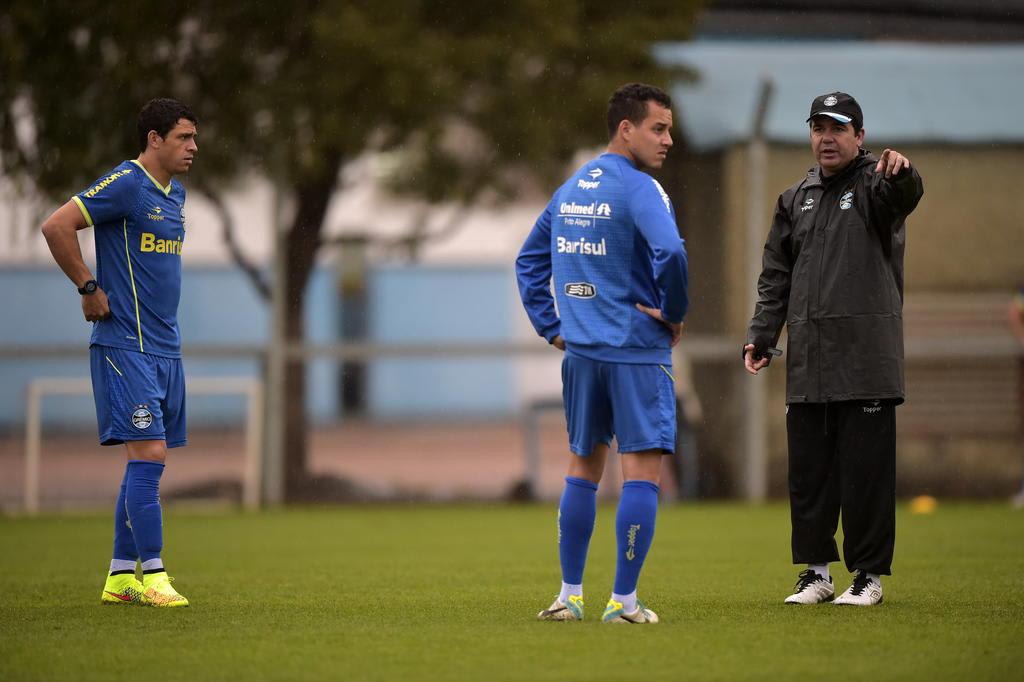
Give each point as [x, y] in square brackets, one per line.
[634, 403]
[138, 396]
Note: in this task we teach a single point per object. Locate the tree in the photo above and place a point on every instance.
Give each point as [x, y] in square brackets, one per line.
[476, 96]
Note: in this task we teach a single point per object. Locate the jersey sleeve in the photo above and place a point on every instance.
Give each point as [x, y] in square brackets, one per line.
[111, 197]
[655, 219]
[533, 274]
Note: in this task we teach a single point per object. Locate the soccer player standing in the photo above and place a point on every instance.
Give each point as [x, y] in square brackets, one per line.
[609, 241]
[137, 212]
[833, 274]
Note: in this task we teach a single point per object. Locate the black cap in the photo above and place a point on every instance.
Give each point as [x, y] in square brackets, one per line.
[840, 106]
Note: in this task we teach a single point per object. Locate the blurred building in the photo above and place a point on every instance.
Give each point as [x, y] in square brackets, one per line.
[950, 100]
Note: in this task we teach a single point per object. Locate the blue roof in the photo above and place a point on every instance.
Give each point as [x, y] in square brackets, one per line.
[910, 92]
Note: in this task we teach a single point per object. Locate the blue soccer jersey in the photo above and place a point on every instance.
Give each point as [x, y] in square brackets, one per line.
[609, 239]
[140, 229]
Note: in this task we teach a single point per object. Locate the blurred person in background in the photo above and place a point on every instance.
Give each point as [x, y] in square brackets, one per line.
[833, 274]
[137, 214]
[609, 242]
[1015, 316]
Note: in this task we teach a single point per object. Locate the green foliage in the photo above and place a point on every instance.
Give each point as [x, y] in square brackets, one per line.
[475, 94]
[450, 593]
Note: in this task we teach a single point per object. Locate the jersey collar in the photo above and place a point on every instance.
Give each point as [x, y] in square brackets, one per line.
[166, 190]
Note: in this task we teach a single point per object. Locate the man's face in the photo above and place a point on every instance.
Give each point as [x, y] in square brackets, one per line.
[834, 144]
[179, 147]
[650, 141]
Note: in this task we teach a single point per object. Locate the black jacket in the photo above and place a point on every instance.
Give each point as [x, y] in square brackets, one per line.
[833, 272]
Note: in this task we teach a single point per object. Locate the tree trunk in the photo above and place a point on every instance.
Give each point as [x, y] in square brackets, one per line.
[312, 197]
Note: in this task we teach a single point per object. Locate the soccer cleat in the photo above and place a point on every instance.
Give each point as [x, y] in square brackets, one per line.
[864, 591]
[811, 588]
[614, 613]
[572, 610]
[157, 591]
[123, 588]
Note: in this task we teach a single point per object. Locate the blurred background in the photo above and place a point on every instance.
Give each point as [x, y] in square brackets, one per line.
[367, 172]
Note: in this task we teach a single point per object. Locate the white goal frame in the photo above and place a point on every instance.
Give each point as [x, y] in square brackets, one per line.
[249, 388]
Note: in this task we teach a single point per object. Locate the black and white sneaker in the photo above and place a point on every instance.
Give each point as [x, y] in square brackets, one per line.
[811, 588]
[865, 591]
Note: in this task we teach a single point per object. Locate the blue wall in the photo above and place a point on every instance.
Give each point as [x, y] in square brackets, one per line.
[406, 305]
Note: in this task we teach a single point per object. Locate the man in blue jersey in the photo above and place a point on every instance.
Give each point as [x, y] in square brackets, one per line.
[137, 212]
[608, 240]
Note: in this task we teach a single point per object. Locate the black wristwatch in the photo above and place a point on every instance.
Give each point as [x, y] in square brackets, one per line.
[88, 288]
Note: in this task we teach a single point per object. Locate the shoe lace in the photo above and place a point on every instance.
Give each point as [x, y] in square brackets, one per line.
[805, 579]
[163, 584]
[860, 583]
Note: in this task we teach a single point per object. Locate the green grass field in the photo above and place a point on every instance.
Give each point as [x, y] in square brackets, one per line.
[421, 592]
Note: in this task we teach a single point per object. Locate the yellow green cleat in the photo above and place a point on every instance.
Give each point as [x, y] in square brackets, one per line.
[123, 588]
[157, 591]
[615, 613]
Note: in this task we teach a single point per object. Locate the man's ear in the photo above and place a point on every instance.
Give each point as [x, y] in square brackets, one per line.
[154, 139]
[860, 137]
[626, 128]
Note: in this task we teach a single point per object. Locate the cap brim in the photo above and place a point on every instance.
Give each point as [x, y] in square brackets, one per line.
[831, 114]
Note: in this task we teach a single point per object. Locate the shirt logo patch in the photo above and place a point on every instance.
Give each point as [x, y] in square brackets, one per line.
[142, 418]
[580, 290]
[154, 213]
[808, 204]
[846, 201]
[596, 173]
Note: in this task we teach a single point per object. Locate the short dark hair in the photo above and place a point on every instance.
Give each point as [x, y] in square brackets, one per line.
[630, 103]
[161, 115]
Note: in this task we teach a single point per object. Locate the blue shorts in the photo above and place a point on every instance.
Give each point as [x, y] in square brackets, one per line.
[138, 396]
[634, 403]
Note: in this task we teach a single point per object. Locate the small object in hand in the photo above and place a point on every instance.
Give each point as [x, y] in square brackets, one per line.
[759, 355]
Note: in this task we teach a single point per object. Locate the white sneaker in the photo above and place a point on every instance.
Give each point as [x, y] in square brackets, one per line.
[571, 610]
[864, 591]
[811, 588]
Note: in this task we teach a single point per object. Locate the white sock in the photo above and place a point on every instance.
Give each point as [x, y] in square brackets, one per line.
[152, 565]
[568, 591]
[875, 577]
[122, 565]
[628, 601]
[820, 569]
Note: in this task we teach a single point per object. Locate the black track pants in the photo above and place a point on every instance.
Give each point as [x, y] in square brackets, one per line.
[842, 457]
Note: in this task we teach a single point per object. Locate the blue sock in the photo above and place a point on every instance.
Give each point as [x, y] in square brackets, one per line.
[576, 514]
[124, 541]
[143, 503]
[634, 530]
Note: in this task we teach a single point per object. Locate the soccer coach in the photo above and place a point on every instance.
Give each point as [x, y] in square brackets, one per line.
[833, 274]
